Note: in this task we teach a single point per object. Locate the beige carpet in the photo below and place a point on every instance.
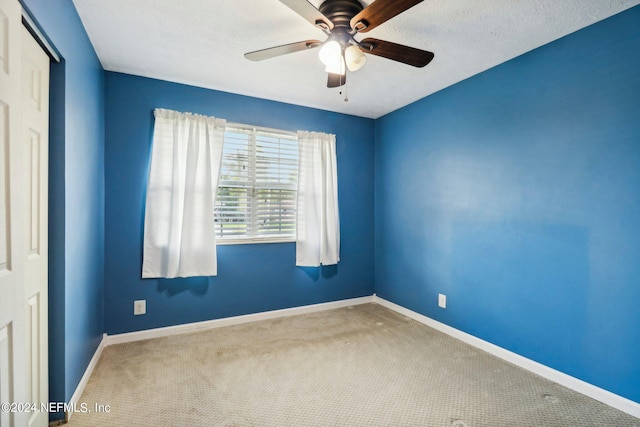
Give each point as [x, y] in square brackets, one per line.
[357, 366]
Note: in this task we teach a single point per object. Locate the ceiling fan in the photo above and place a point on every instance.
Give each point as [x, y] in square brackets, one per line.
[341, 20]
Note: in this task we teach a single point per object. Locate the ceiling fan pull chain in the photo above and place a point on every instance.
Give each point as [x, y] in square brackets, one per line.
[346, 99]
[346, 91]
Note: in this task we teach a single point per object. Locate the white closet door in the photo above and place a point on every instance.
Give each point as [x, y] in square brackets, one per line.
[35, 140]
[24, 101]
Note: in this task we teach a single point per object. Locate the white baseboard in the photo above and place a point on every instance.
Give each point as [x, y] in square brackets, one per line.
[75, 398]
[227, 321]
[597, 393]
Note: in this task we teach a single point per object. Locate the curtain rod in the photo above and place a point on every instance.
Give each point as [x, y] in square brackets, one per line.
[263, 129]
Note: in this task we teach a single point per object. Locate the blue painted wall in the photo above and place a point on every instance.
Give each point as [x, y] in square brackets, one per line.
[251, 278]
[517, 194]
[76, 199]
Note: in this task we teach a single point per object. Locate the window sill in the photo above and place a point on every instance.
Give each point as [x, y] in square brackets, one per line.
[225, 242]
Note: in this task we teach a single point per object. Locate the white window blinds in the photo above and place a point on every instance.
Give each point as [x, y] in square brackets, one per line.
[258, 181]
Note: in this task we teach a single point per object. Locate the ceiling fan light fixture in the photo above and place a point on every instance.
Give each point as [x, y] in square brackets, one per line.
[331, 53]
[336, 68]
[354, 58]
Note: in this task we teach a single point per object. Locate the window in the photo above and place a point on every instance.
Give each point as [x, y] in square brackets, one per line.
[256, 199]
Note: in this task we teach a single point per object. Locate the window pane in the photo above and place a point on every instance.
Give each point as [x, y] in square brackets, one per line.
[232, 216]
[258, 184]
[276, 212]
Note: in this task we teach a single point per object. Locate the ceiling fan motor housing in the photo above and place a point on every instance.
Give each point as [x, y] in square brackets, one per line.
[340, 12]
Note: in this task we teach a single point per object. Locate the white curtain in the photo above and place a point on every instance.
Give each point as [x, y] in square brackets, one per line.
[179, 232]
[318, 223]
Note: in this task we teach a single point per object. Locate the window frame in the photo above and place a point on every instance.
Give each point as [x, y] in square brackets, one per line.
[244, 240]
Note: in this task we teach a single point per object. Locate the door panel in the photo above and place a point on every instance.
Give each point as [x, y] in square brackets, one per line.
[24, 102]
[6, 373]
[13, 367]
[35, 130]
[5, 231]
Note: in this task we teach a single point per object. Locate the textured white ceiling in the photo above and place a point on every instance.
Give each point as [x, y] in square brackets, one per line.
[202, 43]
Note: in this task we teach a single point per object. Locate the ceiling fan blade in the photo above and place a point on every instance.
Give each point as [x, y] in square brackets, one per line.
[336, 80]
[378, 12]
[309, 12]
[396, 52]
[271, 52]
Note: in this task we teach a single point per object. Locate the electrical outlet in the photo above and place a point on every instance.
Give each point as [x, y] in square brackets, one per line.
[442, 301]
[139, 307]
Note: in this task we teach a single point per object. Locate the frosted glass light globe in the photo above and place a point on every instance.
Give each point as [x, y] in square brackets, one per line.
[337, 68]
[354, 57]
[330, 53]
